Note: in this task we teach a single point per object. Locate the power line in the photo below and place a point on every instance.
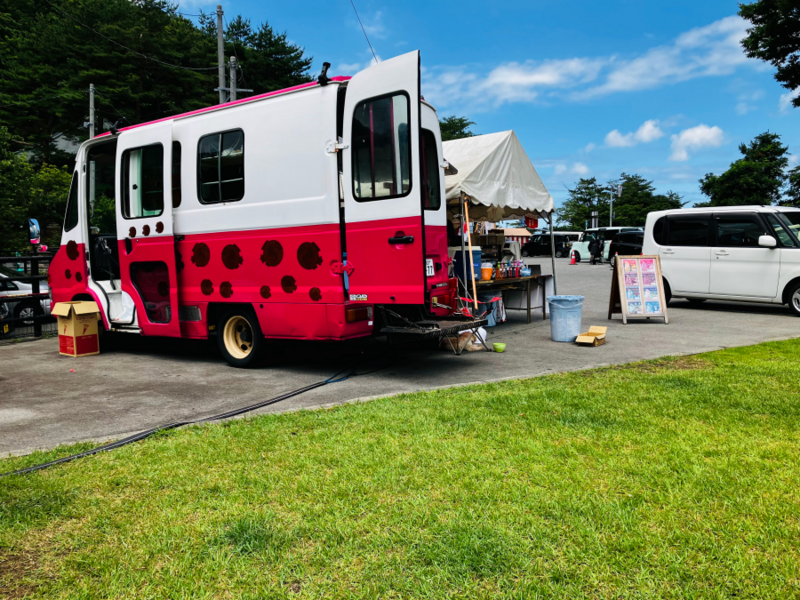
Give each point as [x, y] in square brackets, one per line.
[362, 29]
[111, 105]
[155, 60]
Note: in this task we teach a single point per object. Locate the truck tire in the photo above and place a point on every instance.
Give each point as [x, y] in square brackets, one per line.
[239, 337]
[793, 297]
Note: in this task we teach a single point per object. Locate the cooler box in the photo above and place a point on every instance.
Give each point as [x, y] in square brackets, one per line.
[458, 262]
[77, 328]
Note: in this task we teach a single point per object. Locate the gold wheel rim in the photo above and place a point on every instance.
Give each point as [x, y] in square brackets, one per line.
[238, 337]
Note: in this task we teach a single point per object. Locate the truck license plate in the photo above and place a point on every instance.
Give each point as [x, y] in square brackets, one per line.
[429, 272]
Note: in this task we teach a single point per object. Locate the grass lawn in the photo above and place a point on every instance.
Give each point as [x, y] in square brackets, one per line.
[677, 478]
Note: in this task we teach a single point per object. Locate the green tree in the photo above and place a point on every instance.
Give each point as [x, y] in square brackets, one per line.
[27, 192]
[49, 59]
[586, 196]
[455, 128]
[756, 178]
[639, 198]
[793, 193]
[775, 38]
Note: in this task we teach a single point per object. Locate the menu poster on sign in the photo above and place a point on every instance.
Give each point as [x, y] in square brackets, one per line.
[637, 289]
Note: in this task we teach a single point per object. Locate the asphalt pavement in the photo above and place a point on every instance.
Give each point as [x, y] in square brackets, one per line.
[141, 383]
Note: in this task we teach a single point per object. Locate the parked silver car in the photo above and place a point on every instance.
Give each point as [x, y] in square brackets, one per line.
[26, 308]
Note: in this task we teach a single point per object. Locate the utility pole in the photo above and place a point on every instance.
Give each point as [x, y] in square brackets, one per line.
[611, 206]
[220, 56]
[233, 72]
[91, 110]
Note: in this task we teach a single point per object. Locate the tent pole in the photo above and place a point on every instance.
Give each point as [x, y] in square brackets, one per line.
[471, 262]
[553, 255]
[463, 251]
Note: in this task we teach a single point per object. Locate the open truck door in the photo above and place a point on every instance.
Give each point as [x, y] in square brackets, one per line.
[384, 226]
[144, 227]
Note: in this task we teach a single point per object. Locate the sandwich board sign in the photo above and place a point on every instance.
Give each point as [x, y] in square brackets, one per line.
[637, 289]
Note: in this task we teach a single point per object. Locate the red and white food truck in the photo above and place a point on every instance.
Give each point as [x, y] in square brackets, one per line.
[303, 213]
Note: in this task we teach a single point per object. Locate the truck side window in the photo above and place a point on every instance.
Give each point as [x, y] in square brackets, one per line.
[176, 174]
[220, 167]
[430, 175]
[143, 182]
[71, 218]
[688, 231]
[382, 148]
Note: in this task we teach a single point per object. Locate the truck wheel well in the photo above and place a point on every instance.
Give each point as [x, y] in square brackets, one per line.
[215, 310]
[789, 286]
[82, 297]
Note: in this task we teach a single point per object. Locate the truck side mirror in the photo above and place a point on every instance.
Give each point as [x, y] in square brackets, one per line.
[33, 231]
[767, 241]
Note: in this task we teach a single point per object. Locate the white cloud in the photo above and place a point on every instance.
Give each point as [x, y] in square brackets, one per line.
[694, 138]
[649, 131]
[372, 25]
[509, 82]
[560, 169]
[785, 101]
[742, 108]
[793, 160]
[580, 168]
[589, 147]
[708, 51]
[700, 52]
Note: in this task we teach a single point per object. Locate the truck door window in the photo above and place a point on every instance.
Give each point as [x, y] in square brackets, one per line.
[430, 174]
[71, 218]
[101, 179]
[220, 167]
[143, 182]
[738, 231]
[381, 149]
[688, 231]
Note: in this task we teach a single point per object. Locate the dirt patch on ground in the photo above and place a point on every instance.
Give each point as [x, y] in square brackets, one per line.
[675, 363]
[14, 568]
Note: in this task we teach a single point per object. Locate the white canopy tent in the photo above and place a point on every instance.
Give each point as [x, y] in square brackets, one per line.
[493, 173]
[496, 175]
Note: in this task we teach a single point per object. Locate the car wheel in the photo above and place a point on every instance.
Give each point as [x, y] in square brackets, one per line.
[667, 291]
[28, 312]
[794, 298]
[577, 257]
[239, 337]
[559, 254]
[525, 253]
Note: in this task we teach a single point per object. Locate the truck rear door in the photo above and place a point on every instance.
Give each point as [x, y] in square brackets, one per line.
[383, 191]
[144, 227]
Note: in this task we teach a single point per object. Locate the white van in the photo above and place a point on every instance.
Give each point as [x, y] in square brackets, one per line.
[605, 234]
[741, 253]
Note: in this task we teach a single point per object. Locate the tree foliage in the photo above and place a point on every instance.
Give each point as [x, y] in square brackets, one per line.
[25, 192]
[455, 128]
[638, 198]
[49, 60]
[759, 177]
[775, 38]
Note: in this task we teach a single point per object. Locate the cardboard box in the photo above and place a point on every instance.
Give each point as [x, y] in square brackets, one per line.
[596, 336]
[77, 328]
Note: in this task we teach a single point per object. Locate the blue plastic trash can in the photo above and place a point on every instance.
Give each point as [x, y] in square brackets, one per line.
[565, 317]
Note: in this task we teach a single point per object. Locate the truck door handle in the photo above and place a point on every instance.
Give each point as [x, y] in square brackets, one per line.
[401, 238]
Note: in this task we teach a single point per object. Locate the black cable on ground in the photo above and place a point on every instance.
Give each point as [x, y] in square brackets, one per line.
[226, 415]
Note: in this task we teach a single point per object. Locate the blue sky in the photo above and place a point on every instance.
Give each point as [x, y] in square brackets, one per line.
[661, 89]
